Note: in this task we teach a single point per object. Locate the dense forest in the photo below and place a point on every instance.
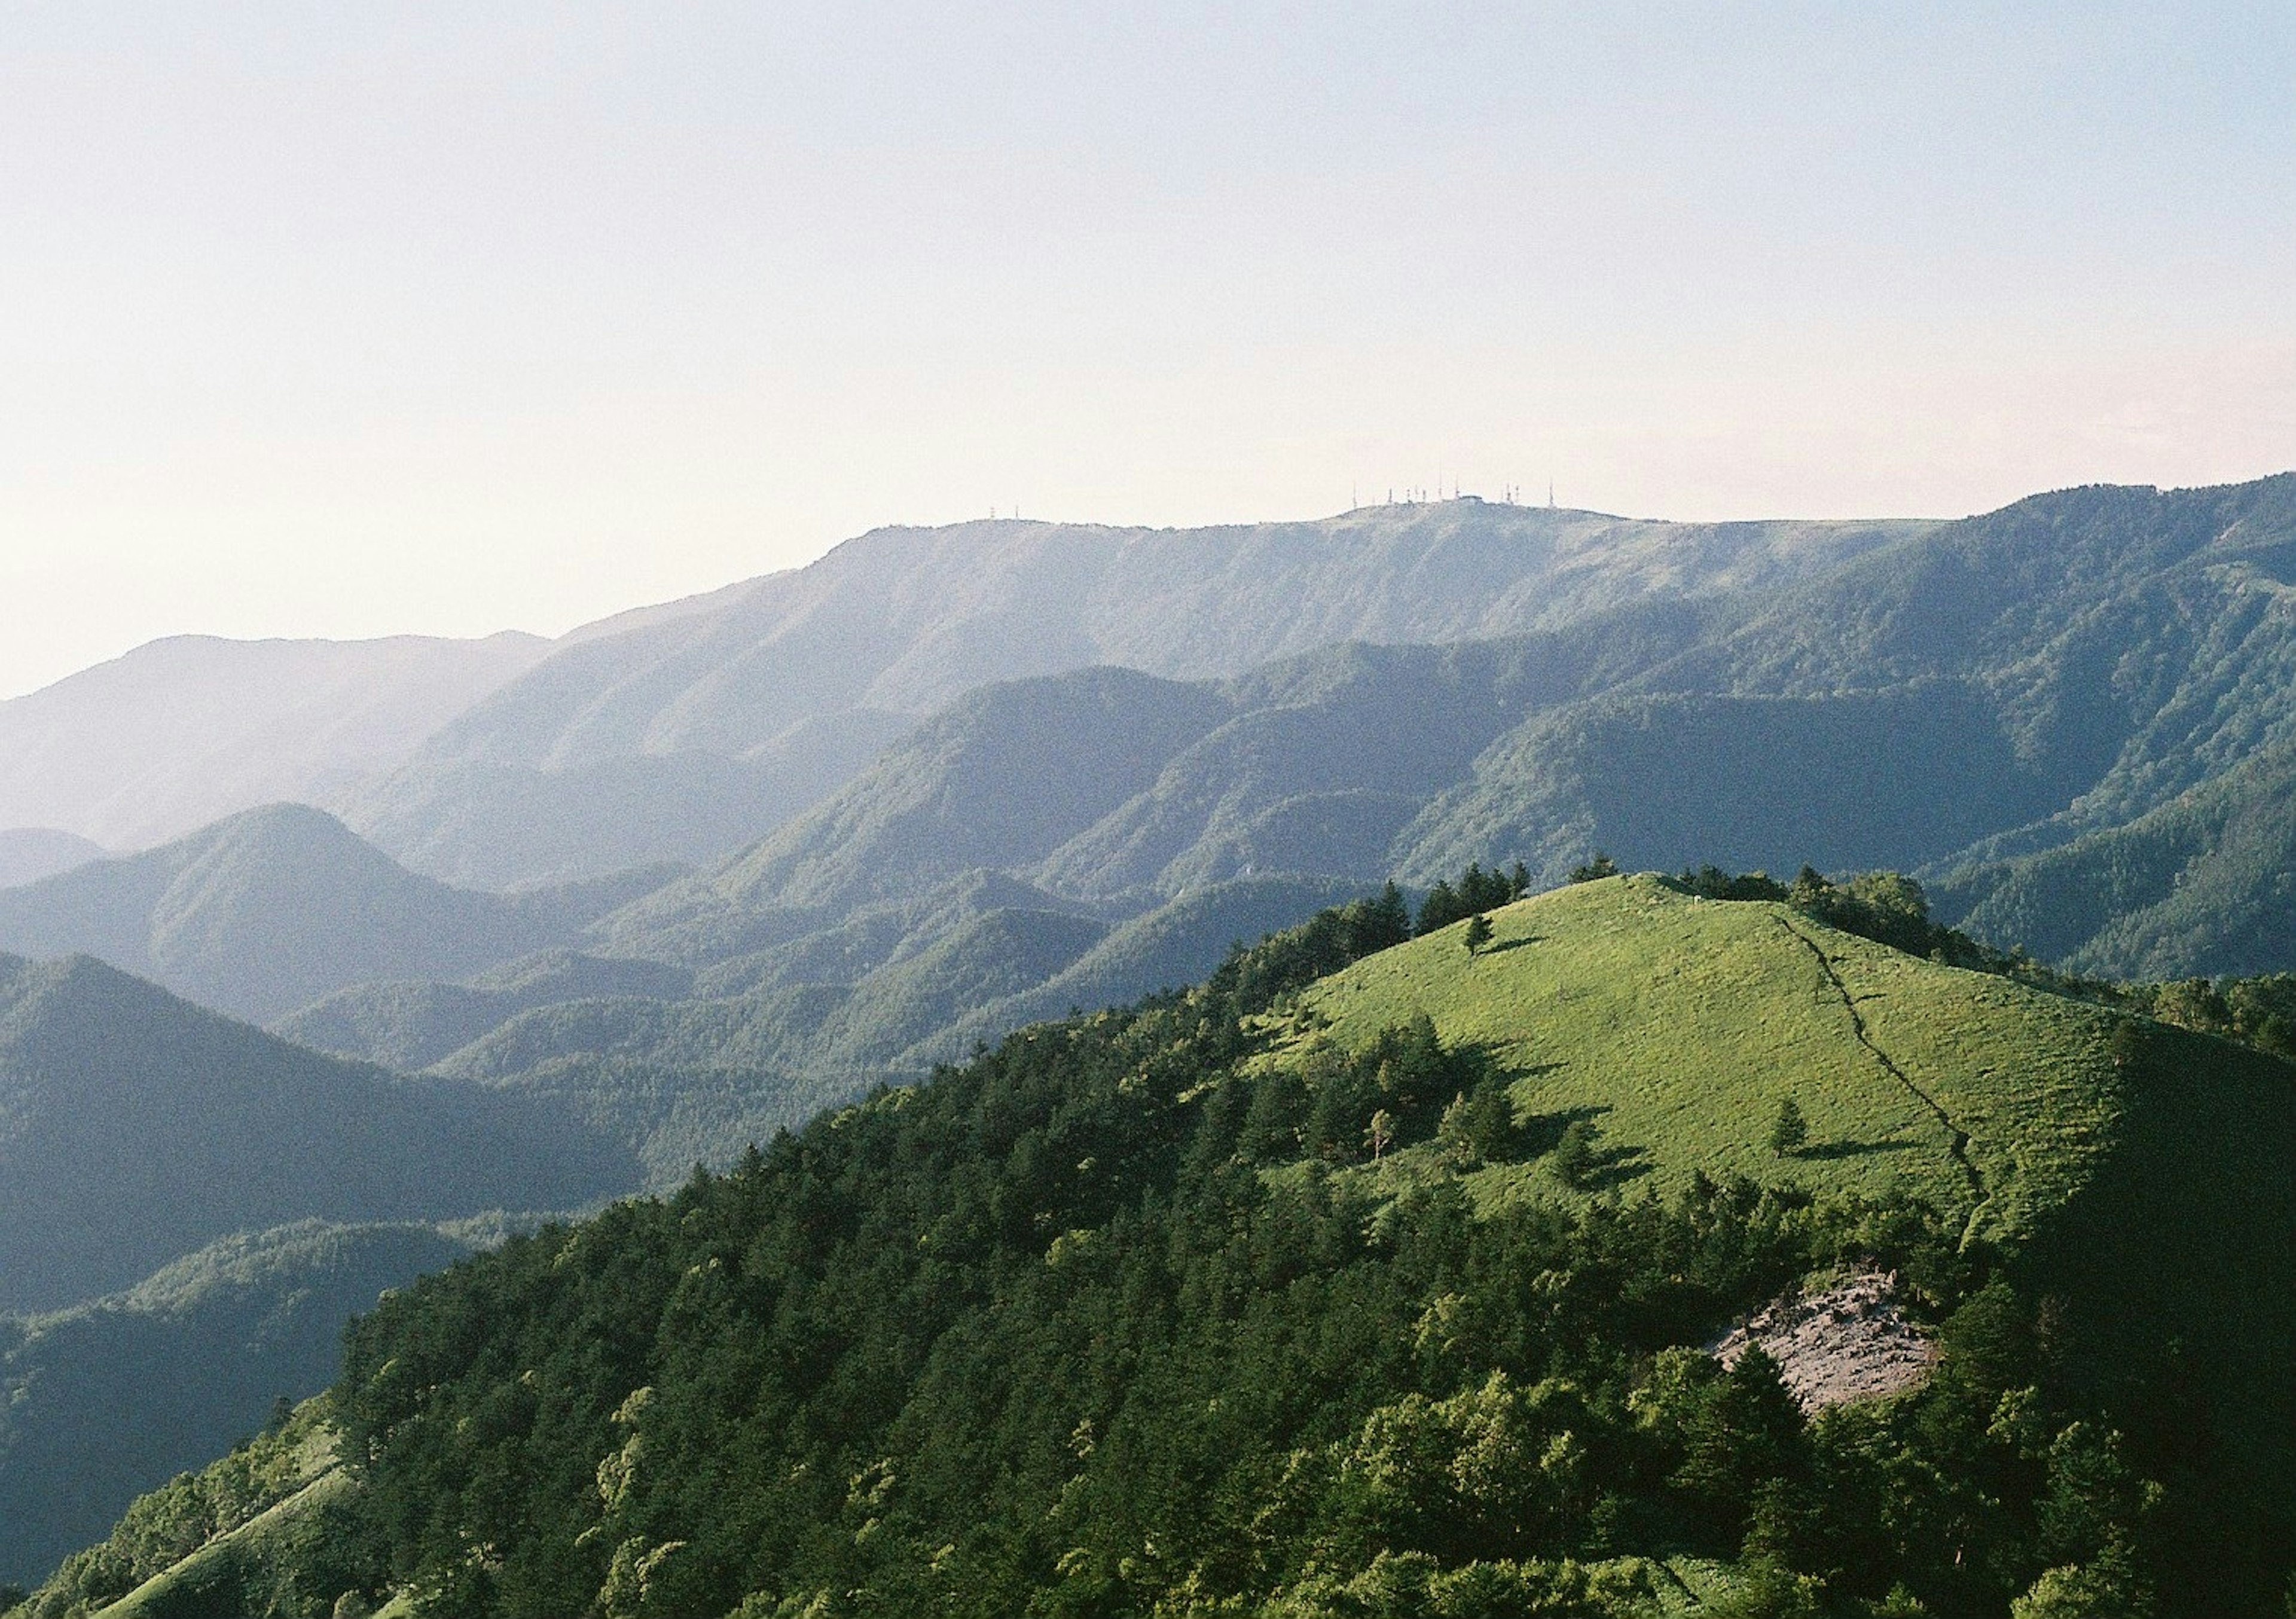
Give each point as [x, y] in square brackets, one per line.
[1122, 1317]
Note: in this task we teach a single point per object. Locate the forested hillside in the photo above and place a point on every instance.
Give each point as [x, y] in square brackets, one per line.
[103, 1402]
[135, 1127]
[1372, 1278]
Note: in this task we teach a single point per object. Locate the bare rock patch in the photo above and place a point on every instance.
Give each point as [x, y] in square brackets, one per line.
[1851, 1342]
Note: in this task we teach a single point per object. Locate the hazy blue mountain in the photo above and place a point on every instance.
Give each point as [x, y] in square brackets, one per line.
[2132, 641]
[502, 825]
[1000, 780]
[103, 1402]
[186, 731]
[409, 1025]
[135, 1126]
[2205, 884]
[796, 677]
[273, 908]
[29, 853]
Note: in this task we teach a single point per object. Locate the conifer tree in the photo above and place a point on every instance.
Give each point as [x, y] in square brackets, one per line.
[1790, 1131]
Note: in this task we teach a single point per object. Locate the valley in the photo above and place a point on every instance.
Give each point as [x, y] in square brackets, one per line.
[663, 892]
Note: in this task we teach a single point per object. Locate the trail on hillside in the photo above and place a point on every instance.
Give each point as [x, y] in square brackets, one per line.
[1957, 1137]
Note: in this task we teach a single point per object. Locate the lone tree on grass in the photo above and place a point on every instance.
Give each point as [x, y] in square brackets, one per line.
[1790, 1131]
[1573, 1156]
[1478, 933]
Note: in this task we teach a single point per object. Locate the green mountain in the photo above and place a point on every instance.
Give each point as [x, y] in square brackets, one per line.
[274, 908]
[1378, 1278]
[105, 1401]
[135, 1127]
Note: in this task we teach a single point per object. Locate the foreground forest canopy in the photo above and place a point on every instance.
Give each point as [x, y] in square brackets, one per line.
[1375, 1276]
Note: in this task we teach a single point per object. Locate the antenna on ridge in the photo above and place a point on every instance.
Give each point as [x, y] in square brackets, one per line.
[1550, 494]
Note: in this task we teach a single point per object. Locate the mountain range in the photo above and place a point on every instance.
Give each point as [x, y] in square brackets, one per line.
[636, 899]
[2069, 716]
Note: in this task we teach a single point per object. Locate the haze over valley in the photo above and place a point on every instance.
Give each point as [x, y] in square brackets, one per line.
[652, 894]
[1122, 812]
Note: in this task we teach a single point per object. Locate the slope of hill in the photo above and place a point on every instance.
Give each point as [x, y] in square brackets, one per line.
[781, 677]
[2205, 884]
[275, 907]
[188, 730]
[29, 853]
[104, 1401]
[1293, 1295]
[1677, 1026]
[134, 1126]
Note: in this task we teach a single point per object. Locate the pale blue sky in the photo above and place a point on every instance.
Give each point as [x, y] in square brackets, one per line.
[347, 319]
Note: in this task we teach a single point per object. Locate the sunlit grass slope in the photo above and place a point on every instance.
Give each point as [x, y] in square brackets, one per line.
[1677, 1027]
[2139, 1174]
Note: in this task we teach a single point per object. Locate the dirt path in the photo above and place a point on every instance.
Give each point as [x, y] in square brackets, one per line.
[1957, 1138]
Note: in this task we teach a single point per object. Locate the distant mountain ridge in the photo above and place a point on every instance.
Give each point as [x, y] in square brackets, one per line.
[183, 732]
[275, 907]
[687, 737]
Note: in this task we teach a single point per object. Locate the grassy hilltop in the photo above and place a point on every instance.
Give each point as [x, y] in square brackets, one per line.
[2136, 1168]
[1675, 1026]
[1284, 1297]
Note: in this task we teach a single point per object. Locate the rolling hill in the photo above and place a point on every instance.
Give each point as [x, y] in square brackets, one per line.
[135, 1127]
[1287, 1291]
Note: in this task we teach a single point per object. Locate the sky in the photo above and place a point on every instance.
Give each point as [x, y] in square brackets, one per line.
[351, 321]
